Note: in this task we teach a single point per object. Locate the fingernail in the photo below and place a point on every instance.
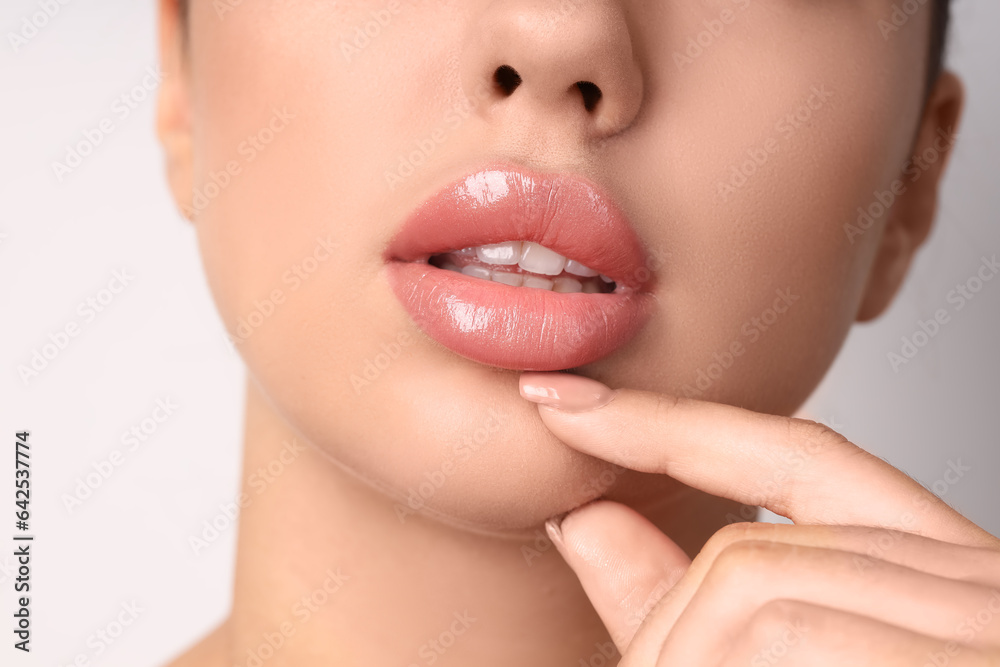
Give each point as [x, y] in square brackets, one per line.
[564, 391]
[554, 529]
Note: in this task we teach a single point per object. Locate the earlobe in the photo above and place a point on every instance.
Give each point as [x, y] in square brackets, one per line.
[911, 215]
[173, 117]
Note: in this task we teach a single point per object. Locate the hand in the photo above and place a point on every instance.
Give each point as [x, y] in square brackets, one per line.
[877, 570]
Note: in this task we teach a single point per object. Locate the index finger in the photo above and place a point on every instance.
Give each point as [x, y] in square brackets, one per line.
[796, 468]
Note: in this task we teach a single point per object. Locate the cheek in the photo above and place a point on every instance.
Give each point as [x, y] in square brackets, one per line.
[328, 122]
[760, 160]
[309, 129]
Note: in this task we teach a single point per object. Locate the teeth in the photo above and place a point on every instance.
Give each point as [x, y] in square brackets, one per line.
[532, 258]
[512, 279]
[578, 269]
[477, 272]
[539, 259]
[505, 254]
[535, 281]
[564, 284]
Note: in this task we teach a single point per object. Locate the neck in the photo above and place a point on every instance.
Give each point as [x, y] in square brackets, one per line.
[327, 574]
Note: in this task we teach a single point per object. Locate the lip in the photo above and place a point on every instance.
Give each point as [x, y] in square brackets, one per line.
[522, 328]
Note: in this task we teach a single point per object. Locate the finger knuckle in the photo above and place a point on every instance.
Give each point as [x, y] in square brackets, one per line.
[814, 437]
[776, 619]
[741, 561]
[737, 532]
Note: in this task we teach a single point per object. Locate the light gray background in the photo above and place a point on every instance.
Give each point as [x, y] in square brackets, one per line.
[161, 339]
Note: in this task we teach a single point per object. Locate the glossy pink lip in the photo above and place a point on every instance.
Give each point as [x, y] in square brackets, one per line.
[522, 328]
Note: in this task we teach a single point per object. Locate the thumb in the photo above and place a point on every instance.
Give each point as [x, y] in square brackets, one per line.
[624, 563]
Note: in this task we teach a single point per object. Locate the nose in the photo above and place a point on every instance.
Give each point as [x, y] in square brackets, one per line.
[568, 63]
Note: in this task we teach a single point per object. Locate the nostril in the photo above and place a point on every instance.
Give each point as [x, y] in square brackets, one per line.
[507, 78]
[591, 94]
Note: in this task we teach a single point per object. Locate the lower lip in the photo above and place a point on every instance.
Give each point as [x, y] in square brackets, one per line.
[519, 328]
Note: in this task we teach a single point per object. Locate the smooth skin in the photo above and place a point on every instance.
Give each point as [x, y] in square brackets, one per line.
[886, 574]
[277, 140]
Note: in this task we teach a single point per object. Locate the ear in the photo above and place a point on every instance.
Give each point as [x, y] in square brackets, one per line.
[173, 113]
[912, 214]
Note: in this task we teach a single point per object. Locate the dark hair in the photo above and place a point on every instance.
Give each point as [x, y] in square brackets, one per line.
[935, 61]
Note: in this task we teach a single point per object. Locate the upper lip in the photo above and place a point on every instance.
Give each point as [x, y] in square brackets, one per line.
[564, 212]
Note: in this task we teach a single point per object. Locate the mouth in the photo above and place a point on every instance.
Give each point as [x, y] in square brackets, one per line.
[524, 264]
[522, 270]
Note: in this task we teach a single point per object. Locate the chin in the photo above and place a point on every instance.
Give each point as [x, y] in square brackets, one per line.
[446, 440]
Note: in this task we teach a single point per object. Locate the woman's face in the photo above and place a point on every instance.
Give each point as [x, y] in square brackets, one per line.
[738, 137]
